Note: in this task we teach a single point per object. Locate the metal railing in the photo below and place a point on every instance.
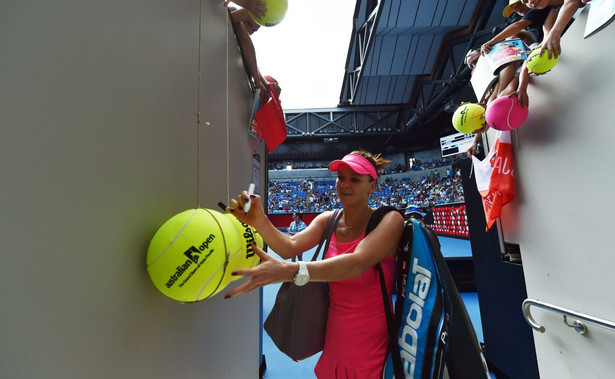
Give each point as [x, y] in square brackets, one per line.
[578, 324]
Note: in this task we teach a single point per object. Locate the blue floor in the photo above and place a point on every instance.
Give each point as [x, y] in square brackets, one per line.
[455, 247]
[279, 366]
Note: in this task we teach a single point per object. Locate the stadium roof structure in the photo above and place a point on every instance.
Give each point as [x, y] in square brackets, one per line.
[404, 77]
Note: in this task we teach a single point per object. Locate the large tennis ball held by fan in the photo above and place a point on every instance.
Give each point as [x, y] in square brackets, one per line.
[468, 118]
[187, 256]
[540, 64]
[505, 113]
[276, 10]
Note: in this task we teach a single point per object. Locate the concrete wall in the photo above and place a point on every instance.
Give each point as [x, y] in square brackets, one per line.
[562, 217]
[98, 147]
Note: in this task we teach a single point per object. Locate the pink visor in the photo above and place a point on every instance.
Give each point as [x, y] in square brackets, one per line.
[357, 163]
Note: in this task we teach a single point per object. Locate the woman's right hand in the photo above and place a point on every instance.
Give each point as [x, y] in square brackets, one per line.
[237, 208]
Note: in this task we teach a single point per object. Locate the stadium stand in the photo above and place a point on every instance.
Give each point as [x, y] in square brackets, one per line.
[437, 191]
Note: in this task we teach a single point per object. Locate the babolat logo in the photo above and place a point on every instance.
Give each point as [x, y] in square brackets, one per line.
[248, 236]
[408, 341]
[193, 254]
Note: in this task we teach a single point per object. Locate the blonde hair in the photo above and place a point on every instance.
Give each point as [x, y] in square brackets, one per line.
[376, 160]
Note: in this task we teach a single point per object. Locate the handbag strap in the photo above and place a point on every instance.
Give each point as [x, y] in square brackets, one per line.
[391, 324]
[326, 235]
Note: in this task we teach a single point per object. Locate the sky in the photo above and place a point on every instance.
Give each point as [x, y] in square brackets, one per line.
[306, 52]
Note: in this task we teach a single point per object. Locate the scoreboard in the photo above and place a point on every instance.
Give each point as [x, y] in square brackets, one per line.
[455, 144]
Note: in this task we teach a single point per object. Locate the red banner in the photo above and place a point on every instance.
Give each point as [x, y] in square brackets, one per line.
[495, 177]
[270, 121]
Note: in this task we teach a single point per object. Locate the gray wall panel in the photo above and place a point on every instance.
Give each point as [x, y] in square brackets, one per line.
[98, 148]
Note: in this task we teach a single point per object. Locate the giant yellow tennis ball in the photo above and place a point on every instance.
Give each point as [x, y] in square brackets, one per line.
[188, 257]
[540, 64]
[276, 10]
[469, 117]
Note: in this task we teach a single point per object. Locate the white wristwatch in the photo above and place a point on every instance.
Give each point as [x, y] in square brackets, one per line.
[302, 276]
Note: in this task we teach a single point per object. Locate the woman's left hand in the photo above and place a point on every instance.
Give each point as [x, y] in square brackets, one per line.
[269, 271]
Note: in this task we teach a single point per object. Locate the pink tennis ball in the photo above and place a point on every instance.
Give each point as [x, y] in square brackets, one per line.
[505, 113]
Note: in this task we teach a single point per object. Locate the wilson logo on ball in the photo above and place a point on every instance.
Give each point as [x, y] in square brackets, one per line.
[248, 236]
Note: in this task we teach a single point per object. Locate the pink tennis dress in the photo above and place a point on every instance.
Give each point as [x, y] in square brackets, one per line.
[357, 337]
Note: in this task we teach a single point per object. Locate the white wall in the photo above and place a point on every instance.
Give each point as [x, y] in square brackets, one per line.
[562, 217]
[98, 147]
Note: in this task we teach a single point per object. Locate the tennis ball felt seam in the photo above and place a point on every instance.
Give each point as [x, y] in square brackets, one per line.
[227, 258]
[166, 249]
[232, 255]
[510, 109]
[198, 295]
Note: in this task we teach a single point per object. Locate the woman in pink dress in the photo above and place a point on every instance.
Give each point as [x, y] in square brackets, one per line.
[357, 337]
